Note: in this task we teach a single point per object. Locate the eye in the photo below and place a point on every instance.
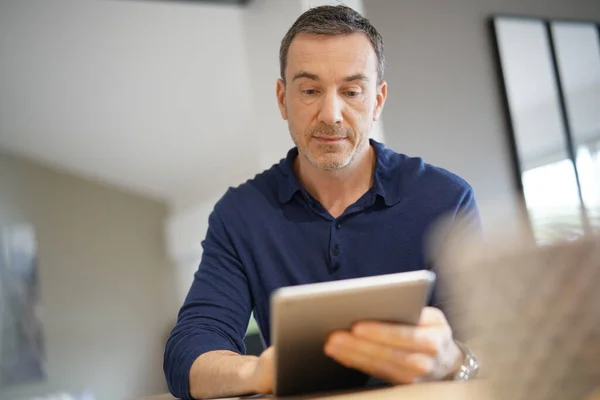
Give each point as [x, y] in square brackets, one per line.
[352, 93]
[309, 92]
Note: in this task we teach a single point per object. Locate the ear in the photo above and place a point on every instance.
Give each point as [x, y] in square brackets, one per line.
[280, 92]
[380, 100]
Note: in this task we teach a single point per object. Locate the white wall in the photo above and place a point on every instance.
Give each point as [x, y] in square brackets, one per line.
[444, 99]
[184, 233]
[152, 96]
[174, 100]
[106, 282]
[265, 24]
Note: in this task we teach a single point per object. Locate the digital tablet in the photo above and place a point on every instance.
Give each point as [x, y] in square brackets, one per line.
[302, 317]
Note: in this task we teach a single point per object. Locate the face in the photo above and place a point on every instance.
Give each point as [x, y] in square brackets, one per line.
[331, 97]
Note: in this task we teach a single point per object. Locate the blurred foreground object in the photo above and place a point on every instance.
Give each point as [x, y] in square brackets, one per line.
[596, 394]
[531, 313]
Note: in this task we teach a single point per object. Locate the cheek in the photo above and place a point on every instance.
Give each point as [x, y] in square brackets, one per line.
[297, 130]
[360, 118]
[300, 118]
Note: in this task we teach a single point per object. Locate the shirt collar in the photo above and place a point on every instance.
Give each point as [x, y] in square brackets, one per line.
[288, 184]
[383, 179]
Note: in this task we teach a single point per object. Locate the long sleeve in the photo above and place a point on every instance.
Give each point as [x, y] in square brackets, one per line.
[468, 211]
[215, 313]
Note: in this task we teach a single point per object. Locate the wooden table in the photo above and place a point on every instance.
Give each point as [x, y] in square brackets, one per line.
[423, 391]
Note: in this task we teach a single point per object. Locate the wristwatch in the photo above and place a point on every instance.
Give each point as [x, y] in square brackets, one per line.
[470, 367]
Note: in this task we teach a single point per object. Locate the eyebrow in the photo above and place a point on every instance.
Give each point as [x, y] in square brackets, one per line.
[356, 77]
[307, 75]
[314, 77]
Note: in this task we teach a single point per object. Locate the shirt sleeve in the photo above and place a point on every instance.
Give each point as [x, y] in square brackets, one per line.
[466, 208]
[469, 210]
[215, 313]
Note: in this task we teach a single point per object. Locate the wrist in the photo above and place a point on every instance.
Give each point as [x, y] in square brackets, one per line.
[458, 359]
[247, 375]
[469, 367]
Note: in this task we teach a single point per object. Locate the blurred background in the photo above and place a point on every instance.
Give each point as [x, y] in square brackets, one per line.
[123, 121]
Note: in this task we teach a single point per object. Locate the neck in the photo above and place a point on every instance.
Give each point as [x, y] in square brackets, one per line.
[336, 190]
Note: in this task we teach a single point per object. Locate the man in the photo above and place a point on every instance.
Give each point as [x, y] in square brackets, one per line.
[339, 206]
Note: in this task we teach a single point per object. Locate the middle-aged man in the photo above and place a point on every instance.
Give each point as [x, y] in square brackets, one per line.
[338, 206]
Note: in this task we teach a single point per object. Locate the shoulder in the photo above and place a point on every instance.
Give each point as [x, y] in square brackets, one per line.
[428, 182]
[412, 171]
[253, 195]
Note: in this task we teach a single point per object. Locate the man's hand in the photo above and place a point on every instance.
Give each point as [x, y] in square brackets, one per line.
[260, 373]
[224, 373]
[399, 353]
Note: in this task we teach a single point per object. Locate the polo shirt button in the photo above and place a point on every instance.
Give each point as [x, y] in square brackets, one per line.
[338, 225]
[336, 250]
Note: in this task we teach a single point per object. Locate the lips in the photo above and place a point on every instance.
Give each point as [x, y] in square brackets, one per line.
[329, 138]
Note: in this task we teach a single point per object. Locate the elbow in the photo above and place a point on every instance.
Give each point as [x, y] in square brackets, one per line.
[174, 368]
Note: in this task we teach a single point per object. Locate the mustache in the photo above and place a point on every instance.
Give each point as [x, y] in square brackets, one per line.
[331, 131]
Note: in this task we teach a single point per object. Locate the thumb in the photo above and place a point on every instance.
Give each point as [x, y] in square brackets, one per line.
[431, 316]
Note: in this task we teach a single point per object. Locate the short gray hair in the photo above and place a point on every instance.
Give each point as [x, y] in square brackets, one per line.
[332, 21]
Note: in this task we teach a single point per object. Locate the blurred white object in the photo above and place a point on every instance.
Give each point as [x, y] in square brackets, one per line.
[531, 312]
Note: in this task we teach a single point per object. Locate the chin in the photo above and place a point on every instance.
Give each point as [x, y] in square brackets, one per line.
[328, 157]
[329, 163]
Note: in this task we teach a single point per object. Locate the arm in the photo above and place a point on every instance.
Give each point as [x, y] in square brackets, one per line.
[230, 374]
[203, 355]
[221, 373]
[469, 211]
[463, 218]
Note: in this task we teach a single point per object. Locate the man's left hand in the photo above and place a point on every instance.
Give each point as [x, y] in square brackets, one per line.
[399, 353]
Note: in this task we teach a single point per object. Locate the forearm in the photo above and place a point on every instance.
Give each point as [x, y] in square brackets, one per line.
[222, 374]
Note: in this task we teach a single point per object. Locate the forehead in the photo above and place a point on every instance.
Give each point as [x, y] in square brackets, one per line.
[333, 56]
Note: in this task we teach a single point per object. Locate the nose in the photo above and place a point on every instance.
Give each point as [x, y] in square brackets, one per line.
[331, 109]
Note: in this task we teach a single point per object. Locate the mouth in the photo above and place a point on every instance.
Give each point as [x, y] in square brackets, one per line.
[329, 139]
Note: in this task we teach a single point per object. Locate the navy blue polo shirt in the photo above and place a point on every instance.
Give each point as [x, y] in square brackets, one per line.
[269, 233]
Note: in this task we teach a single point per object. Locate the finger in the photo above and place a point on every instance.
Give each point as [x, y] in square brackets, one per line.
[404, 337]
[431, 316]
[384, 362]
